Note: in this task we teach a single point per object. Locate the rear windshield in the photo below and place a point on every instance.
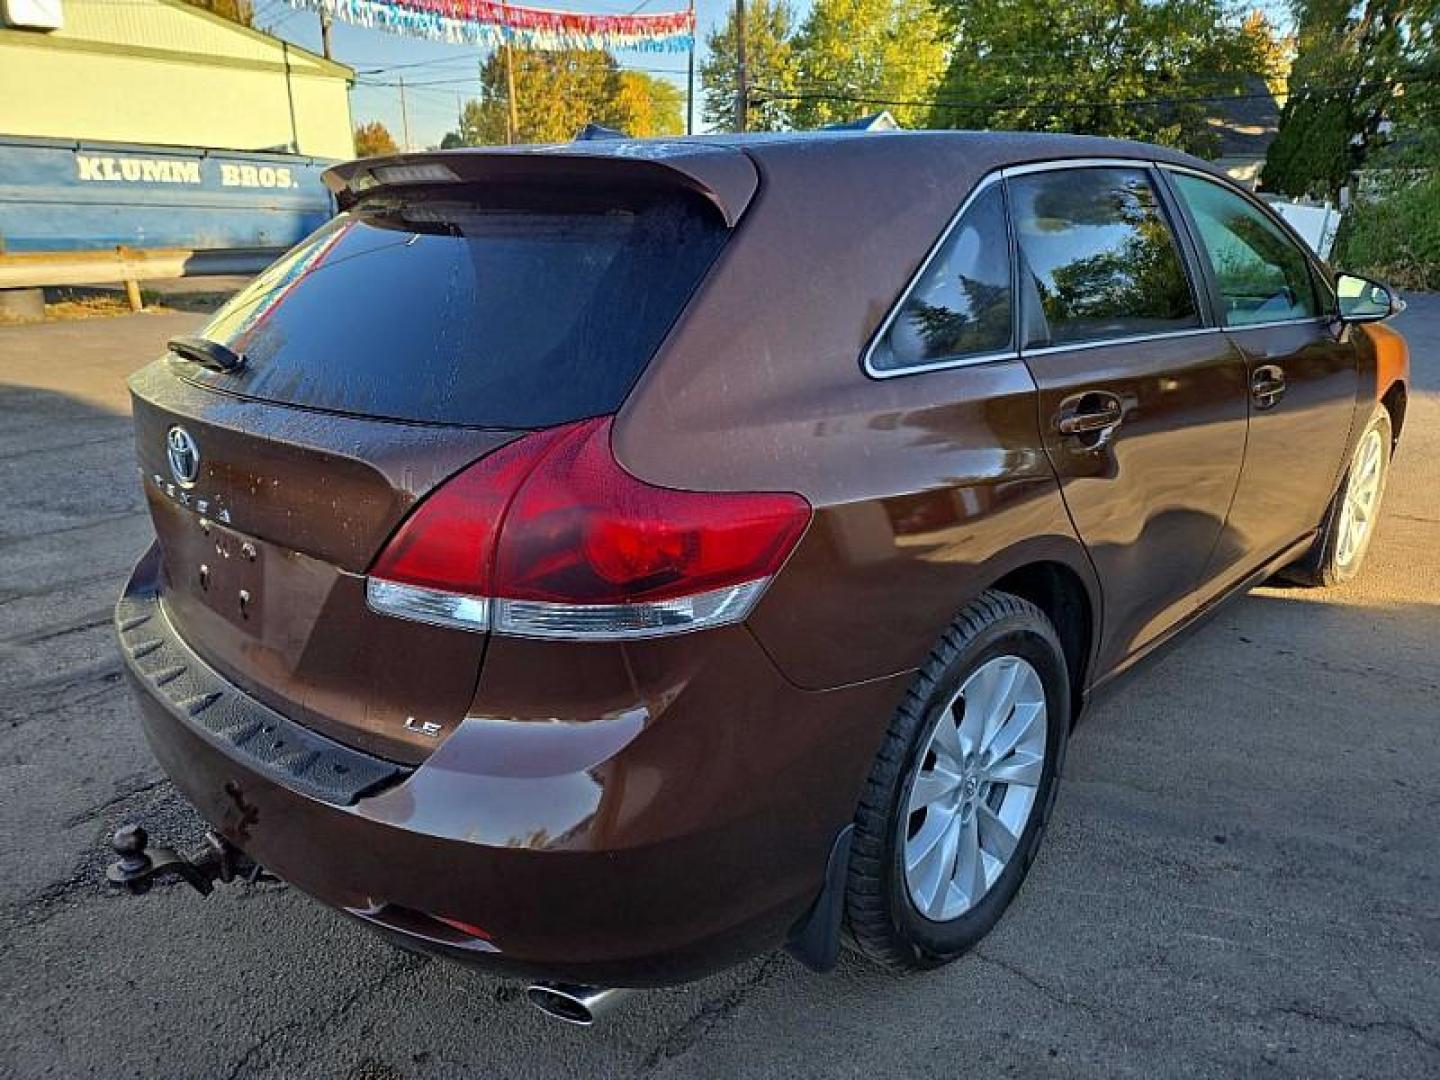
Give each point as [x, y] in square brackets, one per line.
[451, 313]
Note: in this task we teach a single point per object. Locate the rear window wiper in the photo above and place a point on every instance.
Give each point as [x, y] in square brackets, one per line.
[208, 354]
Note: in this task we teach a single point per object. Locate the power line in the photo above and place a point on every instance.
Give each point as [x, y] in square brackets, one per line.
[766, 94]
[829, 87]
[445, 61]
[436, 62]
[461, 81]
[286, 18]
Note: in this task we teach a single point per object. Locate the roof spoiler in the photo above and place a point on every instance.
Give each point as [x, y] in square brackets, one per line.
[724, 176]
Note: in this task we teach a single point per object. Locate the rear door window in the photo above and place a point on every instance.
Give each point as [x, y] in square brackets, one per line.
[453, 313]
[1099, 259]
[960, 305]
[1261, 274]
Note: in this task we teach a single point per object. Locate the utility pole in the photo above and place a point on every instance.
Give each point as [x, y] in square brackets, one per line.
[512, 118]
[742, 82]
[690, 78]
[404, 115]
[290, 99]
[325, 33]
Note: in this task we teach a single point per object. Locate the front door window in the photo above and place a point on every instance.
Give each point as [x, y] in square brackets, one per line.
[1260, 273]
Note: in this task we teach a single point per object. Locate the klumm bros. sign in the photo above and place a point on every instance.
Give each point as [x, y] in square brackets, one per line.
[147, 170]
[60, 195]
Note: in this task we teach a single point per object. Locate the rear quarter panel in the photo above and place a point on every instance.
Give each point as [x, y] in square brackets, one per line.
[927, 488]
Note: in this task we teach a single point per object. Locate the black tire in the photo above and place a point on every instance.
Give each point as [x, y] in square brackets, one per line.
[1322, 565]
[882, 921]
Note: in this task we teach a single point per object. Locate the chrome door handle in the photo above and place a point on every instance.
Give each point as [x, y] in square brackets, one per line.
[1089, 413]
[1267, 385]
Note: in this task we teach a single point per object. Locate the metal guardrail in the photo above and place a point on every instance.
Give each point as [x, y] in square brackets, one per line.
[29, 270]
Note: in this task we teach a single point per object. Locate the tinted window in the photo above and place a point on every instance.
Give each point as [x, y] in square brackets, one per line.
[960, 305]
[1101, 257]
[446, 312]
[1260, 273]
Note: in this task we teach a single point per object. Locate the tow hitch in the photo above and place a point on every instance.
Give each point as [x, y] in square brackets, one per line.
[140, 865]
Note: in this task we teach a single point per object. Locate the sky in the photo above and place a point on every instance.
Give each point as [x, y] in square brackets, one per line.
[440, 71]
[439, 76]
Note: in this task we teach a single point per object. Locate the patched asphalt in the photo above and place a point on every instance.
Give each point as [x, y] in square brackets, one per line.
[1240, 879]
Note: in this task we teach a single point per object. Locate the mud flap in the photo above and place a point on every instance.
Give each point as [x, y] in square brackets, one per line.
[815, 939]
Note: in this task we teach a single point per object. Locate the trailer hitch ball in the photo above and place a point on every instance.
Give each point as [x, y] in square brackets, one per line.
[139, 865]
[129, 843]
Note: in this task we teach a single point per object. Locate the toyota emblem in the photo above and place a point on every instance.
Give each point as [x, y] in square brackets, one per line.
[184, 456]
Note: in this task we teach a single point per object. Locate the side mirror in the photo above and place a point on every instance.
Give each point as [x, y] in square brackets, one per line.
[1363, 300]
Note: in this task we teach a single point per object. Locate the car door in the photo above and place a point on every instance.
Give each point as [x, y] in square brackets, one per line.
[1142, 404]
[1303, 378]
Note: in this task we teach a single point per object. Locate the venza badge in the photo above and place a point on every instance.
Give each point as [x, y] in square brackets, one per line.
[183, 454]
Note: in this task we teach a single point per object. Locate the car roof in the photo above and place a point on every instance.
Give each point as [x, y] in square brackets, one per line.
[726, 168]
[1022, 146]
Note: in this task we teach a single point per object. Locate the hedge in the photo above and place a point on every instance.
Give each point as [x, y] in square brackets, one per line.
[1396, 239]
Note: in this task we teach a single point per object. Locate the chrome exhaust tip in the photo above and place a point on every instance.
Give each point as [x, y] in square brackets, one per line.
[573, 1003]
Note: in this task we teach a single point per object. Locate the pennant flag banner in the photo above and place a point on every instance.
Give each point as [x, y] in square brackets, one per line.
[490, 24]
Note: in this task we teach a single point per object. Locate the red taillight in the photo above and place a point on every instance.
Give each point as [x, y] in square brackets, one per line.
[549, 536]
[449, 542]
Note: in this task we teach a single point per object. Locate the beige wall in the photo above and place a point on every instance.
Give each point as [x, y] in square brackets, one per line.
[156, 71]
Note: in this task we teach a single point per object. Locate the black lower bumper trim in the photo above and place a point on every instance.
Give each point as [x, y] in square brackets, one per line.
[198, 696]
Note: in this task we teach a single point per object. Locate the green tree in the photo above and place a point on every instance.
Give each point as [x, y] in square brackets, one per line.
[1273, 51]
[1085, 66]
[558, 93]
[646, 105]
[769, 65]
[1365, 75]
[885, 50]
[373, 139]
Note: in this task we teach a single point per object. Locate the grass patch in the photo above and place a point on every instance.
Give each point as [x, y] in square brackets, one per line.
[84, 302]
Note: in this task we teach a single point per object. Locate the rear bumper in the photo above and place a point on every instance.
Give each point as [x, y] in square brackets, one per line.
[527, 847]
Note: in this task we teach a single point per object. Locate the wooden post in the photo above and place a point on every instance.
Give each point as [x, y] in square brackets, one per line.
[132, 282]
[690, 78]
[325, 33]
[290, 99]
[512, 119]
[742, 85]
[404, 115]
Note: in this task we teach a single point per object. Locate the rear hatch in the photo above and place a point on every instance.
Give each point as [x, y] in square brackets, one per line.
[419, 330]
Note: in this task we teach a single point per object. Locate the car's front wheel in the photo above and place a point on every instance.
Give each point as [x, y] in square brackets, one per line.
[960, 791]
[1350, 520]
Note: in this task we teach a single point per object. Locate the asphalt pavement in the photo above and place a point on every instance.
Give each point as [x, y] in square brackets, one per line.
[1240, 878]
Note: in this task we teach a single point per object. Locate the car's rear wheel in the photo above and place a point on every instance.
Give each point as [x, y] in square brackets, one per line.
[1350, 520]
[961, 789]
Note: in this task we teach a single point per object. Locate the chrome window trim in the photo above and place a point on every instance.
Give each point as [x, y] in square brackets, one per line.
[1195, 331]
[1076, 163]
[967, 360]
[1100, 343]
[977, 359]
[1305, 321]
[1222, 180]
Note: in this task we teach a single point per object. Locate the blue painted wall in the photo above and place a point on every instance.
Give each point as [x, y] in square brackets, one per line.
[60, 195]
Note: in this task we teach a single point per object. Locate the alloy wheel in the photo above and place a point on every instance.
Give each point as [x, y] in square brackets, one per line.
[1359, 507]
[975, 789]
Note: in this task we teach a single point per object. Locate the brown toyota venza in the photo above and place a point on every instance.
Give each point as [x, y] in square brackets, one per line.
[605, 562]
